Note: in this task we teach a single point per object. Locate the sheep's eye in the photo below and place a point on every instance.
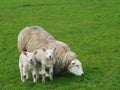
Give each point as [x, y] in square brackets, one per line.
[77, 66]
[73, 63]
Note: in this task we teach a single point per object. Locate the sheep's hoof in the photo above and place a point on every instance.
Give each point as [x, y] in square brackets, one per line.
[51, 79]
[46, 75]
[23, 81]
[43, 81]
[24, 78]
[35, 81]
[27, 78]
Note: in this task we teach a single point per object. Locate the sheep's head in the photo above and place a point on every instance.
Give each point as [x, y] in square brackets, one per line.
[75, 67]
[30, 56]
[49, 53]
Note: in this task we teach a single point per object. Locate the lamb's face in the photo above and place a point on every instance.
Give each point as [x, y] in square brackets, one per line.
[75, 67]
[30, 56]
[49, 53]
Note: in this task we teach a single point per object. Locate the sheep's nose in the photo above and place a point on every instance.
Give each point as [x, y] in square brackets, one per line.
[82, 74]
[49, 56]
[31, 60]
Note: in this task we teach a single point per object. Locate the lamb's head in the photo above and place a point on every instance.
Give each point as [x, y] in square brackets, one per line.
[49, 53]
[30, 56]
[75, 67]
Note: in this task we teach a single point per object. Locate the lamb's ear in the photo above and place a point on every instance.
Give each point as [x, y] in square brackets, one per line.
[35, 52]
[54, 49]
[24, 52]
[44, 49]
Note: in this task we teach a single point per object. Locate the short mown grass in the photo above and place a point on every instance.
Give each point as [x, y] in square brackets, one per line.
[91, 28]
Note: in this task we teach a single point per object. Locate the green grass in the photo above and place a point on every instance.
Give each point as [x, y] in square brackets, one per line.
[90, 27]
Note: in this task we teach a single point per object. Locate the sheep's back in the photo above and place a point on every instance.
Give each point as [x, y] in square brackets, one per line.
[32, 38]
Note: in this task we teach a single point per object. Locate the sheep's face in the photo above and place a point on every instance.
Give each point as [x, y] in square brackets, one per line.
[30, 56]
[49, 53]
[75, 67]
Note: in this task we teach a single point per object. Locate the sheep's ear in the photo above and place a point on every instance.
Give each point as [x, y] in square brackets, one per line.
[24, 52]
[44, 49]
[35, 52]
[73, 63]
[54, 49]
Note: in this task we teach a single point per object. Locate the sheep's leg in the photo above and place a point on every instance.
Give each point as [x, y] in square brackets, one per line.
[27, 75]
[43, 73]
[37, 73]
[43, 78]
[20, 67]
[51, 73]
[21, 74]
[24, 75]
[34, 74]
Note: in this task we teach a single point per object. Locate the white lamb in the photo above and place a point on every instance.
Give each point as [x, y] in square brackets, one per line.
[28, 63]
[47, 59]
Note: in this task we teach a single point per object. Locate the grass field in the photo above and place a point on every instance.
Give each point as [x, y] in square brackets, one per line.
[90, 27]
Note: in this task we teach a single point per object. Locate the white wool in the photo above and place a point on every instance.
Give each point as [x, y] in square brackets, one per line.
[47, 60]
[27, 63]
[31, 39]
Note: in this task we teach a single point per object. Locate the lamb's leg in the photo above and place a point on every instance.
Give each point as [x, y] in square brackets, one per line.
[43, 78]
[43, 73]
[24, 75]
[20, 67]
[51, 73]
[27, 75]
[37, 73]
[34, 74]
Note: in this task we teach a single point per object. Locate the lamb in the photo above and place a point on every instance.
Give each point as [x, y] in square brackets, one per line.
[27, 63]
[47, 60]
[33, 38]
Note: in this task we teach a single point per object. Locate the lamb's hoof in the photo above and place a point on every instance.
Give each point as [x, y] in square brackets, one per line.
[23, 81]
[35, 81]
[43, 81]
[47, 75]
[26, 78]
[51, 79]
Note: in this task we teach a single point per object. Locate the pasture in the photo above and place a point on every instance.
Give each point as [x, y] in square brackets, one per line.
[91, 28]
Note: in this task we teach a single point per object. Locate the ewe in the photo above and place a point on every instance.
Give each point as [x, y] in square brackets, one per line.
[28, 63]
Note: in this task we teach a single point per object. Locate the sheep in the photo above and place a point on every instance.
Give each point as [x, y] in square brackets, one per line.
[33, 38]
[24, 39]
[28, 63]
[47, 60]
